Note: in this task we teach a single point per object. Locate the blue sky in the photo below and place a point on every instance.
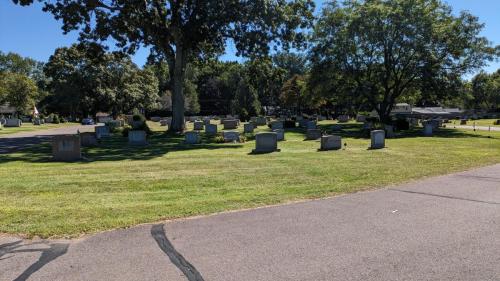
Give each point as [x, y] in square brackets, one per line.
[31, 32]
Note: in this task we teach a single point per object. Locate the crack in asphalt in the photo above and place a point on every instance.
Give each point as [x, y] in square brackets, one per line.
[446, 196]
[175, 257]
[485, 178]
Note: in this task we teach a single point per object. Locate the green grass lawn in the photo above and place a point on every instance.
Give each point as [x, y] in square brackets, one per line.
[120, 186]
[480, 122]
[29, 127]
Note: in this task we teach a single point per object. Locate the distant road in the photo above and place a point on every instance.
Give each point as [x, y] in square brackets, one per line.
[17, 141]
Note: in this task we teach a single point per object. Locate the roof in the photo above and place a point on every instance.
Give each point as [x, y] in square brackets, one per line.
[430, 110]
[6, 109]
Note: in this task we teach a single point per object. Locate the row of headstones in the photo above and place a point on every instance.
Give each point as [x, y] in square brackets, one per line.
[232, 124]
[68, 147]
[268, 141]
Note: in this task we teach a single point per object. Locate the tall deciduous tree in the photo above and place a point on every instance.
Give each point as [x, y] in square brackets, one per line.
[383, 50]
[86, 79]
[485, 90]
[18, 90]
[180, 30]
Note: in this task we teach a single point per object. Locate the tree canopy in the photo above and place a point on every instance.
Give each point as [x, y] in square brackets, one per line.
[85, 79]
[380, 51]
[179, 31]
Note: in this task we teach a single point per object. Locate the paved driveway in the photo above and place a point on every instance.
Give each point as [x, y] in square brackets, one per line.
[14, 142]
[442, 228]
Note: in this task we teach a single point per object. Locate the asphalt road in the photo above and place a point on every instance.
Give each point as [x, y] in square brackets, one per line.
[13, 142]
[442, 228]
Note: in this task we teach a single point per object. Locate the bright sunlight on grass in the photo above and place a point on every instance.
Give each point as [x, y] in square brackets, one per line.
[120, 186]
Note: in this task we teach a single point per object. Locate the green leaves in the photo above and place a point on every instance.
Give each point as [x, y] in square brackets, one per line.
[383, 51]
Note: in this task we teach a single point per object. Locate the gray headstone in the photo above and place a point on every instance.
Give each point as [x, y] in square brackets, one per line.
[275, 125]
[66, 148]
[248, 128]
[266, 142]
[313, 134]
[231, 136]
[428, 129]
[331, 142]
[389, 131]
[136, 137]
[101, 131]
[198, 125]
[280, 134]
[261, 121]
[311, 125]
[343, 118]
[230, 124]
[377, 139]
[192, 137]
[303, 123]
[155, 119]
[211, 129]
[88, 139]
[13, 122]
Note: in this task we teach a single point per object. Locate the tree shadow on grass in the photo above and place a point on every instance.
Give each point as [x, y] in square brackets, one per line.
[356, 131]
[115, 148]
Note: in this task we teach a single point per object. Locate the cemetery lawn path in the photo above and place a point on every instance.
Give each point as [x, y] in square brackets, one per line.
[120, 186]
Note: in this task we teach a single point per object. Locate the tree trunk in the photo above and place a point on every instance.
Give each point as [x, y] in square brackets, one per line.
[178, 123]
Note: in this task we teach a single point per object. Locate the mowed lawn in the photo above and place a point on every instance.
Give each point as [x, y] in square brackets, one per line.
[29, 127]
[479, 122]
[119, 186]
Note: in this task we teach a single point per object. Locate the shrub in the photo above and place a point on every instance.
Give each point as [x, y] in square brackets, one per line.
[138, 118]
[124, 131]
[401, 125]
[55, 119]
[289, 124]
[218, 139]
